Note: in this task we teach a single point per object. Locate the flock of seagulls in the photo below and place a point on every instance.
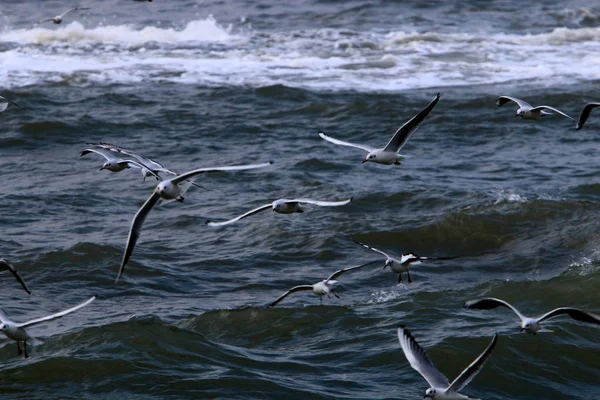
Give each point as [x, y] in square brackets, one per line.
[118, 159]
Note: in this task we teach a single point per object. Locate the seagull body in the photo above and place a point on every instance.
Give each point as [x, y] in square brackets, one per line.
[283, 206]
[585, 113]
[322, 288]
[389, 154]
[6, 266]
[16, 331]
[59, 18]
[404, 263]
[168, 189]
[441, 388]
[527, 111]
[4, 102]
[532, 325]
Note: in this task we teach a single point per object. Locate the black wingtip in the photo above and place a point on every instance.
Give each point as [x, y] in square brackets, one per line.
[271, 162]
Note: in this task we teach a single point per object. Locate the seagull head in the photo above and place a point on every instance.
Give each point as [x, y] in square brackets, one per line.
[2, 326]
[388, 263]
[530, 326]
[107, 165]
[520, 112]
[430, 393]
[370, 157]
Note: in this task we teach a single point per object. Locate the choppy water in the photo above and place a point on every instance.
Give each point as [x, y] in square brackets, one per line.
[197, 84]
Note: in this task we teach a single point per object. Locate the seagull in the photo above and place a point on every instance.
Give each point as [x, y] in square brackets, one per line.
[585, 113]
[404, 263]
[283, 206]
[116, 164]
[168, 189]
[58, 19]
[151, 167]
[440, 388]
[16, 331]
[4, 102]
[526, 111]
[320, 288]
[389, 154]
[6, 266]
[532, 325]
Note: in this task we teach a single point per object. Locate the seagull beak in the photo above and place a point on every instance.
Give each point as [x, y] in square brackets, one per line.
[101, 169]
[364, 161]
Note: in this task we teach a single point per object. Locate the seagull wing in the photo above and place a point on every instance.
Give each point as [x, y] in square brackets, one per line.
[292, 290]
[341, 271]
[148, 163]
[373, 248]
[15, 104]
[418, 359]
[574, 313]
[321, 203]
[585, 113]
[472, 370]
[137, 164]
[404, 132]
[502, 100]
[195, 172]
[342, 143]
[553, 110]
[487, 303]
[13, 271]
[44, 20]
[249, 213]
[73, 9]
[136, 227]
[103, 153]
[57, 315]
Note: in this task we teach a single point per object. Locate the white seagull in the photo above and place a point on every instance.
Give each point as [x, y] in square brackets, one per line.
[585, 113]
[116, 164]
[283, 206]
[58, 19]
[16, 331]
[321, 288]
[6, 266]
[440, 388]
[4, 102]
[404, 263]
[168, 189]
[527, 111]
[389, 154]
[532, 325]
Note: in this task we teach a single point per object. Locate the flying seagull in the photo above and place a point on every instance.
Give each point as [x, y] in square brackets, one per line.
[532, 325]
[283, 206]
[16, 331]
[116, 164]
[58, 19]
[4, 102]
[585, 113]
[527, 111]
[168, 189]
[404, 263]
[440, 388]
[6, 266]
[321, 288]
[389, 154]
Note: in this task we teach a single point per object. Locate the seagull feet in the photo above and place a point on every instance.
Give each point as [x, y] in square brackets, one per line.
[25, 349]
[408, 274]
[397, 163]
[180, 199]
[335, 294]
[400, 277]
[19, 351]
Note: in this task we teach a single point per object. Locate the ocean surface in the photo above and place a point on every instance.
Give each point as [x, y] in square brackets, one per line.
[208, 83]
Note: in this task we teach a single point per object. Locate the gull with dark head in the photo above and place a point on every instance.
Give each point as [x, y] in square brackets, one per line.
[532, 325]
[59, 18]
[389, 154]
[116, 164]
[322, 288]
[441, 388]
[527, 111]
[283, 206]
[585, 114]
[8, 267]
[404, 263]
[16, 331]
[168, 189]
[4, 102]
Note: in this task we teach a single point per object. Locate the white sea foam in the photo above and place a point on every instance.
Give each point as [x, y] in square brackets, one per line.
[206, 53]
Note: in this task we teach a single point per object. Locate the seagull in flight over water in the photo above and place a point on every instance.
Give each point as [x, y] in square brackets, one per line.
[16, 331]
[404, 263]
[389, 154]
[532, 325]
[168, 189]
[322, 288]
[6, 266]
[527, 111]
[58, 19]
[441, 388]
[585, 114]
